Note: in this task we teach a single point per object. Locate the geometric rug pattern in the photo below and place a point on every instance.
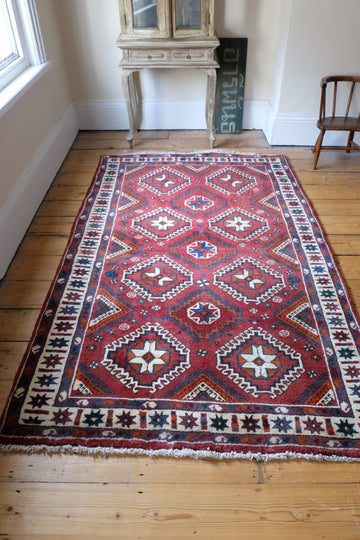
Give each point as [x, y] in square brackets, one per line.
[197, 311]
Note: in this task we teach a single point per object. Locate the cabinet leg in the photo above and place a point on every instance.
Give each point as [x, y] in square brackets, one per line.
[134, 101]
[210, 103]
[129, 90]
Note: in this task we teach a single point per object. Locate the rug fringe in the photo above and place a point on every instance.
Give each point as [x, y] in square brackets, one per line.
[100, 452]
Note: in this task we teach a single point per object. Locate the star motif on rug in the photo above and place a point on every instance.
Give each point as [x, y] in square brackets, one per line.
[162, 223]
[203, 313]
[238, 223]
[149, 358]
[198, 202]
[202, 250]
[259, 361]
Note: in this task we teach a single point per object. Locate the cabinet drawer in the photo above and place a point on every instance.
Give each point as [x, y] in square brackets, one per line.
[152, 55]
[191, 55]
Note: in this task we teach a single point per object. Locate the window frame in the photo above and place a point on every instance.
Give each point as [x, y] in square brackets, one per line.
[25, 71]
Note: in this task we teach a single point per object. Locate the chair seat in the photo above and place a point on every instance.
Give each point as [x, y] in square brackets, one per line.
[339, 123]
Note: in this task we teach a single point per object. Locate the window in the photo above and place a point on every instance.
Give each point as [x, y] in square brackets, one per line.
[22, 54]
[12, 58]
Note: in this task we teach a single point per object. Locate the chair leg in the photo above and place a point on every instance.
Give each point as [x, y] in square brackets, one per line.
[317, 147]
[350, 139]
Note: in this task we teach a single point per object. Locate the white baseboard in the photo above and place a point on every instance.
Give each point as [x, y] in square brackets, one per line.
[281, 130]
[157, 114]
[256, 115]
[101, 114]
[19, 209]
[294, 130]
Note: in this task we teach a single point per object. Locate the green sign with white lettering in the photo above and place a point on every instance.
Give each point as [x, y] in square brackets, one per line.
[230, 88]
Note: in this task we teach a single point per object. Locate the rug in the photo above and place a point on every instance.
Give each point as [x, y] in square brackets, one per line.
[197, 311]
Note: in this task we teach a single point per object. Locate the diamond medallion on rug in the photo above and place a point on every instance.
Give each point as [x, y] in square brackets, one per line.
[197, 311]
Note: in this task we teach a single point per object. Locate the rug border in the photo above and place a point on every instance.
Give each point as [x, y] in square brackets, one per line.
[48, 294]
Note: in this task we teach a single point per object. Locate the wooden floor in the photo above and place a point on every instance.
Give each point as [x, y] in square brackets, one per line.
[70, 497]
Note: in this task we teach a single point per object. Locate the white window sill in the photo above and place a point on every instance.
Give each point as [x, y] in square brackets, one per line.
[17, 88]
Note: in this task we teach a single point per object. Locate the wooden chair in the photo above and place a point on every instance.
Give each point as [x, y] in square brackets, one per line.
[337, 122]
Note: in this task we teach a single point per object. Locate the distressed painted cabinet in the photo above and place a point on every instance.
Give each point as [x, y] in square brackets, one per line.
[167, 34]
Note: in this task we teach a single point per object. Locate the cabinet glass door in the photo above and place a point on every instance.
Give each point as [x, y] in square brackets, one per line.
[188, 14]
[145, 18]
[190, 18]
[145, 13]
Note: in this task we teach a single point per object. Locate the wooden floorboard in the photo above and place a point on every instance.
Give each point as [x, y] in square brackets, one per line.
[67, 497]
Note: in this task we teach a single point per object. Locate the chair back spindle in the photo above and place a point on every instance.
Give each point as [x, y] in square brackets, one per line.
[334, 99]
[351, 93]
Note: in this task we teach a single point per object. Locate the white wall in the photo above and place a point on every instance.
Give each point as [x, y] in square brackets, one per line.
[89, 29]
[323, 38]
[258, 20]
[330, 46]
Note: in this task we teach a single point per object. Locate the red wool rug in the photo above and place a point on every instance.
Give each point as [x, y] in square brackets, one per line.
[197, 311]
